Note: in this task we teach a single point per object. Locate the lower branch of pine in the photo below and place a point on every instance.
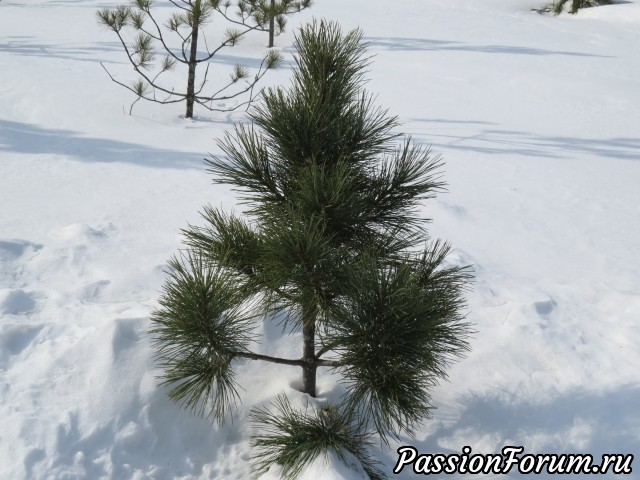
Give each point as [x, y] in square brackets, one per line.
[296, 362]
[267, 358]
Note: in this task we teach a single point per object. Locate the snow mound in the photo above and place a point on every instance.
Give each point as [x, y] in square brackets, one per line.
[325, 467]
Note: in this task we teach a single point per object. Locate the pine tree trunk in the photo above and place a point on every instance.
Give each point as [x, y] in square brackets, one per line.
[309, 353]
[191, 81]
[272, 25]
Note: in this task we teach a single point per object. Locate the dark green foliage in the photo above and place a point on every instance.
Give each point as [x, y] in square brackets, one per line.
[197, 330]
[293, 439]
[395, 333]
[320, 175]
[558, 5]
[332, 239]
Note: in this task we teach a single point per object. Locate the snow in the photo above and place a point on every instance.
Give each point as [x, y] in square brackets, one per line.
[536, 118]
[328, 467]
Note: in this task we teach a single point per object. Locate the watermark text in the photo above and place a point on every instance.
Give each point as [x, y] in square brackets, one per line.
[510, 459]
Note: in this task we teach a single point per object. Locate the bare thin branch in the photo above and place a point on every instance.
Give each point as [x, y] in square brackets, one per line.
[160, 37]
[142, 96]
[179, 6]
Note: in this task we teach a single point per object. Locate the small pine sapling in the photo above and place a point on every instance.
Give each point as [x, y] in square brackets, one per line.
[332, 241]
[269, 17]
[181, 40]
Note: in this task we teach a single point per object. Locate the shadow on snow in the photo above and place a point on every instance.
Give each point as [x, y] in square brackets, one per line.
[30, 139]
[607, 424]
[511, 142]
[424, 44]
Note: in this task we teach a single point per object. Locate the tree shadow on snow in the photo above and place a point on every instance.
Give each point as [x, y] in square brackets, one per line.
[508, 142]
[424, 44]
[23, 45]
[65, 3]
[579, 421]
[30, 139]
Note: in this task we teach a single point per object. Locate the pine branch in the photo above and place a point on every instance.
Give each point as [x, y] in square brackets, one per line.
[141, 73]
[395, 334]
[160, 37]
[325, 349]
[266, 358]
[286, 361]
[293, 439]
[200, 323]
[179, 6]
[226, 43]
[141, 94]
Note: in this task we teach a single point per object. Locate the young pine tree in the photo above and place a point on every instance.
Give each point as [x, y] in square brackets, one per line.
[183, 42]
[332, 237]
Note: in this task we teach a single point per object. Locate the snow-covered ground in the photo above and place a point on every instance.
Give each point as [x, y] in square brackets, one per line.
[538, 120]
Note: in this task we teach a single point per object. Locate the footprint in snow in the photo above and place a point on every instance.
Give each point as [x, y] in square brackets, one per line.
[11, 253]
[15, 337]
[81, 233]
[455, 209]
[12, 249]
[126, 335]
[17, 302]
[545, 307]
